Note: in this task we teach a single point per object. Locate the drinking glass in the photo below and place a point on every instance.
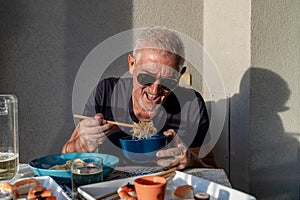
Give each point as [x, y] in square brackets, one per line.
[9, 141]
[85, 170]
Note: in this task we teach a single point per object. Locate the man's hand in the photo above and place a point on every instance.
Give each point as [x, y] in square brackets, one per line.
[93, 131]
[179, 156]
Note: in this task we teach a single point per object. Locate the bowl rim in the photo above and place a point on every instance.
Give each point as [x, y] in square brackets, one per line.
[158, 180]
[127, 138]
[116, 160]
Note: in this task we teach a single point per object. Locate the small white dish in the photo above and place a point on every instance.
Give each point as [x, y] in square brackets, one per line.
[49, 183]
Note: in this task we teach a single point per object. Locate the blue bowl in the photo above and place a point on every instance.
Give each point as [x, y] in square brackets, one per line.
[40, 166]
[143, 150]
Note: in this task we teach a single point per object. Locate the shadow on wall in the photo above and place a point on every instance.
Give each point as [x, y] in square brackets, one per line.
[273, 154]
[87, 25]
[43, 44]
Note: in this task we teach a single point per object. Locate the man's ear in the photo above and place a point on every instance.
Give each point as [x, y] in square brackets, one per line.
[131, 62]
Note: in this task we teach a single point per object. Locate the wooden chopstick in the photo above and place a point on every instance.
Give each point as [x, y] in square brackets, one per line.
[121, 124]
[166, 174]
[108, 121]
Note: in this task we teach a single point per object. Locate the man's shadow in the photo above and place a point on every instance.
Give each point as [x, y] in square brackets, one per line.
[273, 164]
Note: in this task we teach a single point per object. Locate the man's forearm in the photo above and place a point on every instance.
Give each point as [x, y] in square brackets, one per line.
[208, 161]
[74, 144]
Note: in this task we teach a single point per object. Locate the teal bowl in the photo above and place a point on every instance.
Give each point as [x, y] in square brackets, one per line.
[143, 150]
[40, 166]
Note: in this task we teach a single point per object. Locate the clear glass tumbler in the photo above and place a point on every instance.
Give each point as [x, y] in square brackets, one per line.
[9, 141]
[85, 170]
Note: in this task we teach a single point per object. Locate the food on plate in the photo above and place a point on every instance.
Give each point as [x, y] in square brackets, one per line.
[184, 192]
[8, 191]
[187, 192]
[127, 192]
[39, 192]
[143, 129]
[65, 166]
[201, 196]
[24, 185]
[30, 188]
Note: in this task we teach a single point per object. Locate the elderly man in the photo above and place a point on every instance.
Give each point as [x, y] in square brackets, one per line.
[151, 93]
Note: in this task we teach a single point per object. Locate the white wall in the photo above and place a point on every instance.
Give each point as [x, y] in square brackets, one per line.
[227, 40]
[256, 46]
[183, 16]
[275, 94]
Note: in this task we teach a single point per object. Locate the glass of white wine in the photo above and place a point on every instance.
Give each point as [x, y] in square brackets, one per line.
[9, 141]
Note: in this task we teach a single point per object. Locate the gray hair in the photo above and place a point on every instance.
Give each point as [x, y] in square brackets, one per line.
[162, 39]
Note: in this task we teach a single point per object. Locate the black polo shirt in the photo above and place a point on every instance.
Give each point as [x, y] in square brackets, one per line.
[184, 111]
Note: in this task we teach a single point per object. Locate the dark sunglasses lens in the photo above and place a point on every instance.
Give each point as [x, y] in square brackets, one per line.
[146, 79]
[168, 84]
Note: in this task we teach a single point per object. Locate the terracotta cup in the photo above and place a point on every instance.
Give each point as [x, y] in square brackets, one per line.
[150, 187]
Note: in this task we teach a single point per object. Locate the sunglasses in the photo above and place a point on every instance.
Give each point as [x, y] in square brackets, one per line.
[147, 80]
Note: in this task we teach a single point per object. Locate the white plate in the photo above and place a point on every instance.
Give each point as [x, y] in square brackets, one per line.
[49, 183]
[216, 191]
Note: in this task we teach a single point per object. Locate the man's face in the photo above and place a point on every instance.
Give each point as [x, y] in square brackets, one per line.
[153, 73]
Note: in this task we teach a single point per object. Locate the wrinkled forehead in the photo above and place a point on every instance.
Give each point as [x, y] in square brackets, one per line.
[151, 55]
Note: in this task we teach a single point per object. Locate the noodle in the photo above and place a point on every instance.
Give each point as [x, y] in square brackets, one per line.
[65, 166]
[143, 129]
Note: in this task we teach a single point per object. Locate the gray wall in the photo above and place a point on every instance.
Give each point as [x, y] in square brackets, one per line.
[256, 46]
[42, 45]
[227, 26]
[275, 93]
